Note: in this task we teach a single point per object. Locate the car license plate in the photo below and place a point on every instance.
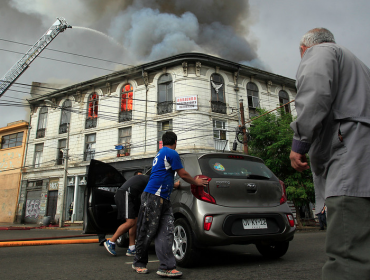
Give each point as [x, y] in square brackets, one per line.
[259, 223]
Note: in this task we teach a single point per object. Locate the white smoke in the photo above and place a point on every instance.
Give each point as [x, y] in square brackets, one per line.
[154, 29]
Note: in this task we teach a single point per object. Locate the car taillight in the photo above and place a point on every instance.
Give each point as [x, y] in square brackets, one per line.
[208, 222]
[283, 198]
[202, 193]
[290, 219]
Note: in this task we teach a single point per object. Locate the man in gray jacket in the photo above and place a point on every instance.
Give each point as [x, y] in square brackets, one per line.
[333, 126]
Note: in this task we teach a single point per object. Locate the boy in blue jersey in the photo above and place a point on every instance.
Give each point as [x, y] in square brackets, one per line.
[156, 218]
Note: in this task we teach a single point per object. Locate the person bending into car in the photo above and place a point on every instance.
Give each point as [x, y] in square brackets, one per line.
[127, 199]
[156, 220]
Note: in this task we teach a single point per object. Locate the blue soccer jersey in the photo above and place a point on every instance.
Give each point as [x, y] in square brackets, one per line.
[163, 170]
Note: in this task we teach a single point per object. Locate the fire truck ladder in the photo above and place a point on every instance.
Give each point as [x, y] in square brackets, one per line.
[17, 70]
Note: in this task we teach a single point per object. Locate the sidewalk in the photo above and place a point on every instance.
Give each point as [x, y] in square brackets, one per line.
[10, 226]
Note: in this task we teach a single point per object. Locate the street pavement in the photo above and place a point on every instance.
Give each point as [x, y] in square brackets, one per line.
[303, 260]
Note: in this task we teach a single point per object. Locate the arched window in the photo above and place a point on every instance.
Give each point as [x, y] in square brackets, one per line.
[41, 126]
[218, 94]
[65, 117]
[283, 99]
[92, 110]
[125, 113]
[253, 99]
[165, 98]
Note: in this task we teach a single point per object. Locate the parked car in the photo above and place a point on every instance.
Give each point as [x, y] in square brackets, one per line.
[244, 203]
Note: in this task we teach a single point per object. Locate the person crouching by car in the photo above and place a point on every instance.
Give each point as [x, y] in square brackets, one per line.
[127, 199]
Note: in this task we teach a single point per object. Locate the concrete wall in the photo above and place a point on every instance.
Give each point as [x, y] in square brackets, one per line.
[11, 160]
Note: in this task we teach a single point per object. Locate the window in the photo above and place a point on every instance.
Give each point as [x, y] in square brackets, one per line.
[217, 94]
[283, 99]
[124, 140]
[65, 117]
[125, 113]
[37, 161]
[41, 126]
[92, 110]
[219, 134]
[165, 99]
[162, 128]
[62, 144]
[90, 140]
[12, 140]
[253, 100]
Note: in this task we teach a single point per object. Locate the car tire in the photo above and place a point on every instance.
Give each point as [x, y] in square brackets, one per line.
[273, 251]
[123, 240]
[183, 244]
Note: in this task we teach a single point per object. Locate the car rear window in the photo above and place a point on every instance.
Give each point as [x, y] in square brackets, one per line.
[234, 167]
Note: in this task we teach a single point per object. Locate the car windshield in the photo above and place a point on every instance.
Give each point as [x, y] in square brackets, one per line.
[239, 167]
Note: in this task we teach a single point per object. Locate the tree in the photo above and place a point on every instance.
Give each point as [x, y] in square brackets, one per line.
[271, 140]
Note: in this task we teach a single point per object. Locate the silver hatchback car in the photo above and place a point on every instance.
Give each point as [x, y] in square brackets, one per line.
[244, 203]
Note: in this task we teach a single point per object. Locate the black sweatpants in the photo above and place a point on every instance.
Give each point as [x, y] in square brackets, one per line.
[155, 220]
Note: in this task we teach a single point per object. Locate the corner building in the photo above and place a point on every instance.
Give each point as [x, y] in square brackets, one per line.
[120, 118]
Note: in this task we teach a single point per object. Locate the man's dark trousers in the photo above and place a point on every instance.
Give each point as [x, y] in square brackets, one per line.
[347, 234]
[155, 220]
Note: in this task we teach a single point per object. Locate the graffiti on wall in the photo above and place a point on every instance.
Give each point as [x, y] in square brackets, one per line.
[33, 208]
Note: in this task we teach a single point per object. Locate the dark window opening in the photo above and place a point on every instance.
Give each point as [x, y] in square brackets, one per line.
[65, 117]
[41, 126]
[283, 99]
[165, 98]
[218, 103]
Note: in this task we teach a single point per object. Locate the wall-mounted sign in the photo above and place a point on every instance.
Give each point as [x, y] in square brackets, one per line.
[187, 103]
[53, 184]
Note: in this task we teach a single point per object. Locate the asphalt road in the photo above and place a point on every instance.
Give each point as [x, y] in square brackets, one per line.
[303, 260]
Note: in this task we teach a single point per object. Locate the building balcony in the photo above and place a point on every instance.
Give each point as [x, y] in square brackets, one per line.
[91, 123]
[220, 145]
[125, 116]
[63, 128]
[218, 107]
[40, 133]
[164, 107]
[89, 155]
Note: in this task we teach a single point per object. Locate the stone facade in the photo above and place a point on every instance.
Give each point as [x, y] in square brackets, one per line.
[186, 75]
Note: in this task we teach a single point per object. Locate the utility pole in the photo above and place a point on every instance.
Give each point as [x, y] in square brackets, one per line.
[65, 177]
[245, 139]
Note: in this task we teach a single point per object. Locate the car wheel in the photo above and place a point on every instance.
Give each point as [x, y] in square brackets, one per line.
[183, 244]
[123, 240]
[273, 251]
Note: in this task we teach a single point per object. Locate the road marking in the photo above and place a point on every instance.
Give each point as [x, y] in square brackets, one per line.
[148, 261]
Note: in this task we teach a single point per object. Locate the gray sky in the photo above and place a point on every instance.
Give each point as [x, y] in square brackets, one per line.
[261, 33]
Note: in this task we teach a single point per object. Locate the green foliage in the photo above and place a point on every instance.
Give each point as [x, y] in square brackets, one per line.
[271, 140]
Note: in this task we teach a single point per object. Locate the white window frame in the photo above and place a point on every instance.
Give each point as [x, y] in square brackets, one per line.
[39, 150]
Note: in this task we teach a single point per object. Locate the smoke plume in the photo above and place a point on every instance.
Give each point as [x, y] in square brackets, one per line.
[154, 29]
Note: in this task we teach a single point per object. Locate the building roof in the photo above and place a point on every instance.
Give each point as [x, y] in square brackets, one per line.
[176, 60]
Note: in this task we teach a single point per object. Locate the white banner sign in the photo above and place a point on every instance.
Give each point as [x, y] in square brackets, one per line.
[187, 103]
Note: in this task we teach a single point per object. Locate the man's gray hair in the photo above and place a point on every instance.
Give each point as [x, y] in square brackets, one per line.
[317, 36]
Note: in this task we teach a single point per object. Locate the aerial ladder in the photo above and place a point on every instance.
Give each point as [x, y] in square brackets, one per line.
[17, 70]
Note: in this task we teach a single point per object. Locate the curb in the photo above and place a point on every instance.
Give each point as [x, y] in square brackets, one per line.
[48, 242]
